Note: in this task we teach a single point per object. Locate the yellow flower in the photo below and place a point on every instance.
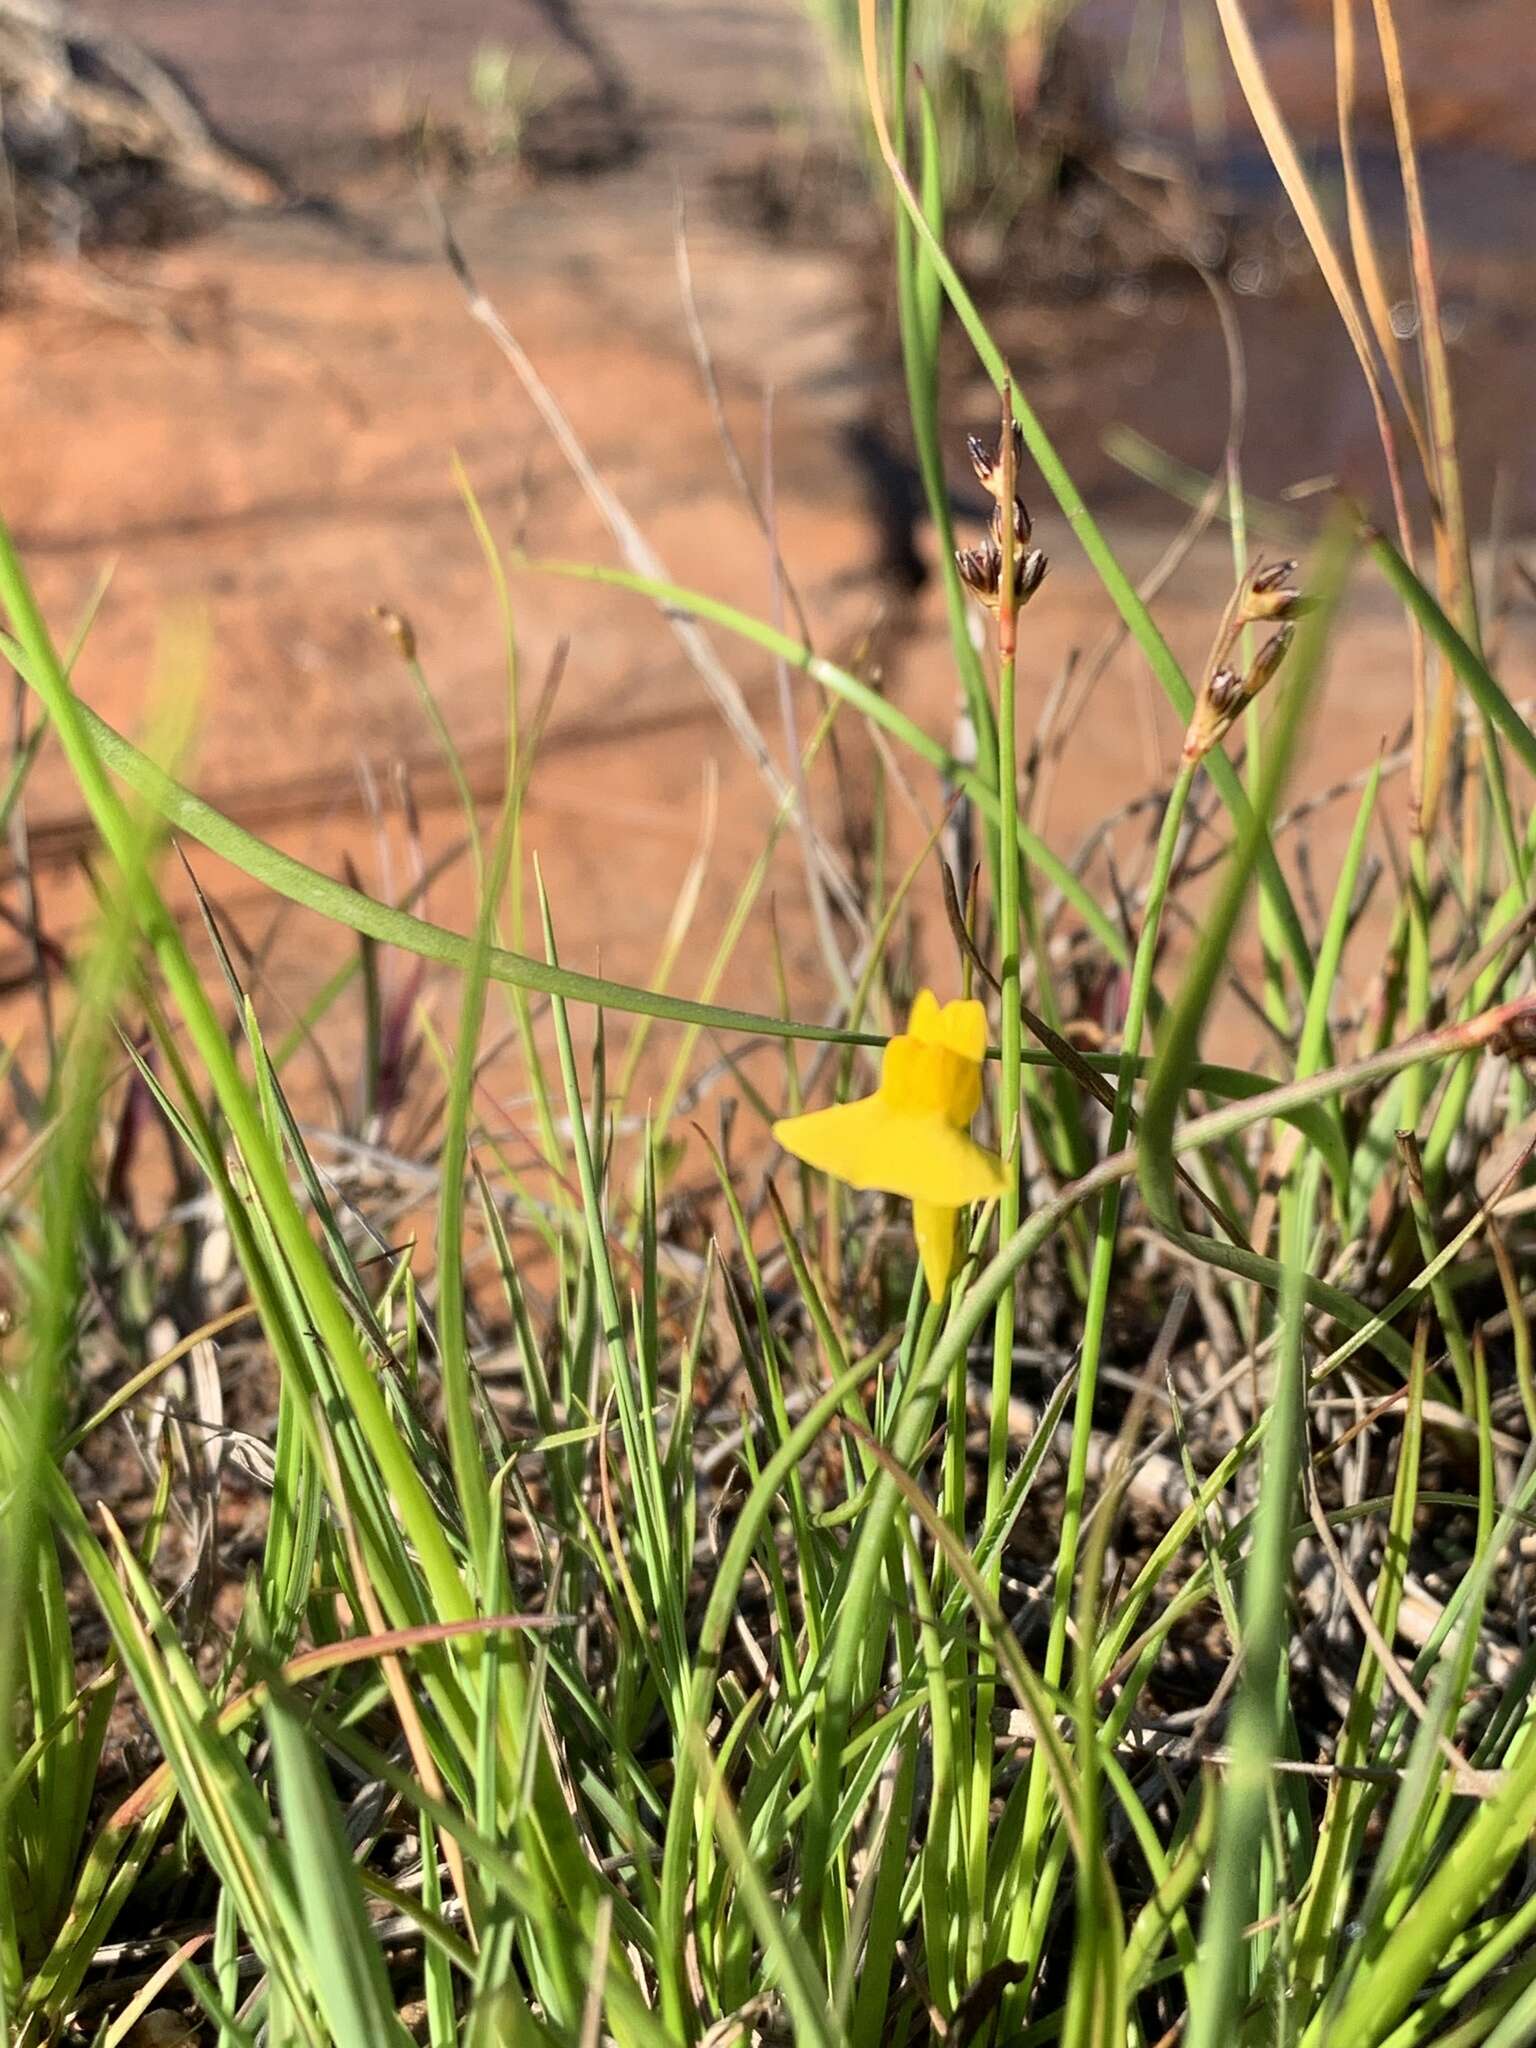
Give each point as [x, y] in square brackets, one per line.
[911, 1137]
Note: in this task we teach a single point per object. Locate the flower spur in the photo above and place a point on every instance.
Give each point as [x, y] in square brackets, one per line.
[911, 1137]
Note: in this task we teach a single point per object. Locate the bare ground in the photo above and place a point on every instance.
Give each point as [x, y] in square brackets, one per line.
[258, 425]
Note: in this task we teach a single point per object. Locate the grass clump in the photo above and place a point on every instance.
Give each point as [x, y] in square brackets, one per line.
[1003, 101]
[668, 1622]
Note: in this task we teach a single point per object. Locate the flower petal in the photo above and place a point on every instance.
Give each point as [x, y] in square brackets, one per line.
[923, 1022]
[870, 1145]
[934, 1228]
[963, 1028]
[950, 1169]
[851, 1140]
[921, 1078]
[960, 1027]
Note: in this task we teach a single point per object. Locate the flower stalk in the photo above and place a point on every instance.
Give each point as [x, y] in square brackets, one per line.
[1003, 574]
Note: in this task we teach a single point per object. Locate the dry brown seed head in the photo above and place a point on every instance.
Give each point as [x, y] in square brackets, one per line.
[1270, 594]
[399, 629]
[987, 462]
[1030, 574]
[1275, 577]
[1023, 525]
[1268, 660]
[981, 571]
[1224, 691]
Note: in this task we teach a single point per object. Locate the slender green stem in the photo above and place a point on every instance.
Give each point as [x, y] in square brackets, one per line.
[1414, 1082]
[1467, 662]
[922, 303]
[1010, 927]
[1101, 1273]
[1221, 1972]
